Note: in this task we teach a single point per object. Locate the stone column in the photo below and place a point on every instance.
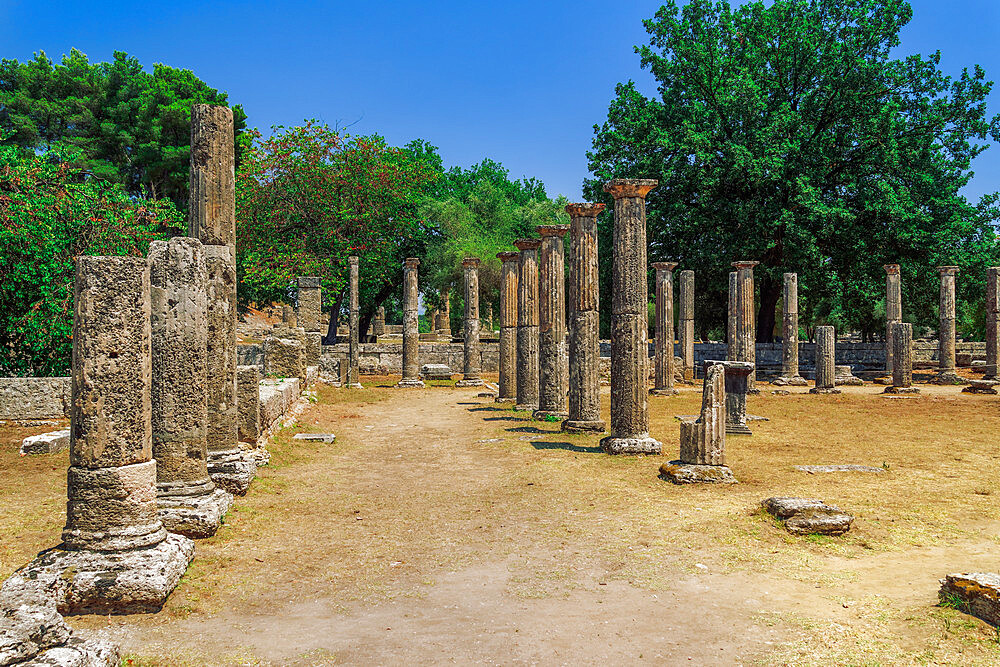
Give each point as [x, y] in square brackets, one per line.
[902, 360]
[508, 327]
[411, 330]
[584, 322]
[527, 324]
[893, 309]
[288, 317]
[629, 322]
[745, 339]
[732, 306]
[212, 219]
[790, 334]
[825, 359]
[470, 344]
[189, 503]
[663, 355]
[444, 317]
[992, 321]
[686, 322]
[310, 298]
[552, 324]
[378, 328]
[354, 323]
[946, 329]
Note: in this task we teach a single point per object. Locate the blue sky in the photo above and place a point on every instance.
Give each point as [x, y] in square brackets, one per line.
[519, 82]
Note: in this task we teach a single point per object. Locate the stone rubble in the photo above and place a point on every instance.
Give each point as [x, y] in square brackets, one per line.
[49, 443]
[803, 516]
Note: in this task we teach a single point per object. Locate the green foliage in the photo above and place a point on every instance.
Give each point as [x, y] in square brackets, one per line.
[784, 132]
[124, 124]
[51, 210]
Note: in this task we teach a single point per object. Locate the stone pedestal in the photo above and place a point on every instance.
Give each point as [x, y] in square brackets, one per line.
[584, 403]
[663, 355]
[248, 399]
[745, 334]
[507, 392]
[411, 329]
[946, 329]
[825, 356]
[527, 324]
[790, 334]
[310, 303]
[552, 352]
[902, 360]
[737, 374]
[686, 323]
[893, 309]
[285, 354]
[629, 433]
[470, 344]
[189, 503]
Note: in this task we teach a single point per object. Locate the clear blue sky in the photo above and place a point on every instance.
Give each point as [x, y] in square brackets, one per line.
[519, 82]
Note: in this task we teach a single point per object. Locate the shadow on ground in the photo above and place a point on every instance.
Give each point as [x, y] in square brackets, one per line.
[569, 446]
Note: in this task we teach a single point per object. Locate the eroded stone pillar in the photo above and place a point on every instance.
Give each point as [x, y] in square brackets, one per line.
[790, 334]
[288, 317]
[663, 355]
[732, 306]
[992, 322]
[411, 328]
[893, 309]
[946, 329]
[444, 316]
[472, 360]
[686, 323]
[378, 326]
[508, 327]
[584, 322]
[354, 324]
[745, 338]
[902, 360]
[629, 322]
[310, 307]
[189, 502]
[552, 324]
[825, 360]
[527, 324]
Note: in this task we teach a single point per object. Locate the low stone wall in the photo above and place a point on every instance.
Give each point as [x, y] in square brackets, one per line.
[34, 398]
[276, 399]
[387, 358]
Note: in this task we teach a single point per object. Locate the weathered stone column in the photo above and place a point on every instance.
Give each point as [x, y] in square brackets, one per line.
[686, 322]
[825, 359]
[354, 324]
[552, 324]
[663, 355]
[745, 339]
[378, 326]
[893, 309]
[212, 219]
[992, 323]
[946, 329]
[629, 322]
[288, 317]
[444, 317]
[508, 327]
[470, 344]
[790, 334]
[527, 324]
[189, 502]
[584, 322]
[902, 360]
[731, 308]
[411, 329]
[737, 384]
[310, 298]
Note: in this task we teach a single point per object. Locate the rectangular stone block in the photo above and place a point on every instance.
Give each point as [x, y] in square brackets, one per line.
[34, 397]
[248, 403]
[46, 443]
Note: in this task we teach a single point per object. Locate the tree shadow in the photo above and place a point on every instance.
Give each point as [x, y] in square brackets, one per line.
[529, 429]
[568, 446]
[506, 418]
[488, 408]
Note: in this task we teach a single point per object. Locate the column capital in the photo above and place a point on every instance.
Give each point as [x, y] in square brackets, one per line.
[744, 264]
[664, 266]
[353, 259]
[508, 256]
[891, 269]
[471, 262]
[630, 187]
[527, 244]
[552, 230]
[585, 210]
[411, 262]
[947, 270]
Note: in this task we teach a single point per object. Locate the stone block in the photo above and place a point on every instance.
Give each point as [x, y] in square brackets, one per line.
[981, 387]
[50, 443]
[976, 593]
[34, 398]
[248, 403]
[804, 516]
[679, 472]
[436, 372]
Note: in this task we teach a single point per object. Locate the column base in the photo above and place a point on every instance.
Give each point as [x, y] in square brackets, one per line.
[231, 470]
[642, 444]
[949, 377]
[679, 472]
[355, 385]
[116, 582]
[824, 390]
[505, 399]
[663, 392]
[194, 516]
[584, 426]
[526, 407]
[470, 382]
[901, 390]
[410, 382]
[549, 415]
[738, 429]
[790, 381]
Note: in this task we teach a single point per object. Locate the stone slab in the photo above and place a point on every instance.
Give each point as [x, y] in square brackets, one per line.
[838, 468]
[976, 593]
[194, 516]
[981, 387]
[49, 443]
[326, 438]
[803, 516]
[690, 473]
[436, 372]
[613, 445]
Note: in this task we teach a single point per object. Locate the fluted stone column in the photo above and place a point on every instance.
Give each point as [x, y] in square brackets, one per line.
[745, 339]
[629, 322]
[663, 355]
[552, 353]
[902, 360]
[310, 307]
[790, 334]
[686, 323]
[732, 306]
[378, 327]
[411, 328]
[189, 502]
[893, 309]
[354, 324]
[527, 324]
[825, 359]
[508, 327]
[992, 322]
[212, 219]
[946, 329]
[584, 403]
[470, 344]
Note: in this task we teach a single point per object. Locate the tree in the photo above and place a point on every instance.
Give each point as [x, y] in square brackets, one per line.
[786, 133]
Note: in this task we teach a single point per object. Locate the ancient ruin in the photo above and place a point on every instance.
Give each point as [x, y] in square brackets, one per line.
[686, 324]
[790, 334]
[663, 354]
[804, 516]
[354, 326]
[552, 350]
[411, 328]
[825, 354]
[507, 384]
[992, 323]
[946, 329]
[527, 324]
[744, 323]
[472, 359]
[893, 309]
[902, 360]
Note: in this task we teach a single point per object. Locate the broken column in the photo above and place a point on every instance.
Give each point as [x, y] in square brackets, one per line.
[508, 327]
[470, 344]
[310, 298]
[902, 360]
[992, 323]
[584, 404]
[411, 329]
[893, 309]
[444, 316]
[552, 324]
[354, 324]
[629, 322]
[685, 321]
[189, 502]
[378, 326]
[825, 355]
[288, 316]
[732, 305]
[527, 324]
[745, 339]
[946, 329]
[212, 219]
[737, 386]
[663, 355]
[115, 556]
[790, 334]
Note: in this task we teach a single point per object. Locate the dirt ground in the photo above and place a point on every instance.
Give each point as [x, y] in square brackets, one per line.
[441, 528]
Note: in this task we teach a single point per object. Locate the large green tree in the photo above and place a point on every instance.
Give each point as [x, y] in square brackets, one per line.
[785, 132]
